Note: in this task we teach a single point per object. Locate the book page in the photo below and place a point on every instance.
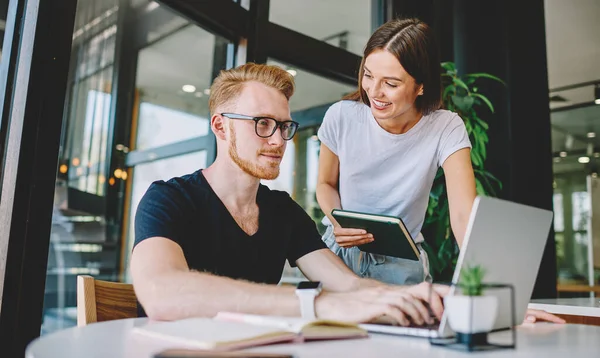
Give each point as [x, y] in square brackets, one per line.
[206, 333]
[309, 329]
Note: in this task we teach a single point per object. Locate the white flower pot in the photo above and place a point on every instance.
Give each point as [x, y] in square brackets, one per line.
[471, 314]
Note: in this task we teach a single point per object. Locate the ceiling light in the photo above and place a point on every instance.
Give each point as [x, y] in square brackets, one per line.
[189, 88]
[583, 160]
[207, 91]
[591, 135]
[563, 154]
[198, 94]
[597, 93]
[292, 72]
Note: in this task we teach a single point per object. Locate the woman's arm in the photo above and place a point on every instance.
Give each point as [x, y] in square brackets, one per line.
[460, 185]
[328, 195]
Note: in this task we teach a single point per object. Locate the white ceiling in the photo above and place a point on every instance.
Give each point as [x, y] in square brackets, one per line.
[573, 47]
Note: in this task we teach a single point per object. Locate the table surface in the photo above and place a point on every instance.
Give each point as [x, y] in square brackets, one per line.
[116, 339]
[585, 306]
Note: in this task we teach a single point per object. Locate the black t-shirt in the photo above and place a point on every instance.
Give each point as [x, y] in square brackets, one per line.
[187, 211]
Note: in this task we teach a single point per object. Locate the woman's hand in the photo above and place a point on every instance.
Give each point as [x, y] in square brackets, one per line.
[351, 237]
[541, 316]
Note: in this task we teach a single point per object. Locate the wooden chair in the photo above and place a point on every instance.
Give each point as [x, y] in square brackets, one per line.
[99, 301]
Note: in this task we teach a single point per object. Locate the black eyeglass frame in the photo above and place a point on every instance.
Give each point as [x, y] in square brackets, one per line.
[278, 124]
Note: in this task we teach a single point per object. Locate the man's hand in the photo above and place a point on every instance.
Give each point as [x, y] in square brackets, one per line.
[533, 316]
[351, 237]
[400, 304]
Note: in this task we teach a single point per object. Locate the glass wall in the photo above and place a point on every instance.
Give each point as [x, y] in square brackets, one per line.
[574, 98]
[78, 244]
[576, 194]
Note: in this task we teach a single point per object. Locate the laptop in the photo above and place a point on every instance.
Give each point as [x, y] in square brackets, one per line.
[508, 240]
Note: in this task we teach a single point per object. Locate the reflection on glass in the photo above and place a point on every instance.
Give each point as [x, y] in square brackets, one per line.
[173, 81]
[160, 125]
[581, 210]
[88, 133]
[576, 189]
[165, 169]
[559, 224]
[99, 52]
[323, 20]
[78, 243]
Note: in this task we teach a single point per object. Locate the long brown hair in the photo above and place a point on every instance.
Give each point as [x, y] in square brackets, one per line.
[413, 43]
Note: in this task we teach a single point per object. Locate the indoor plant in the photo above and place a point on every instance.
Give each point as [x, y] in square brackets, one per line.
[461, 95]
[471, 312]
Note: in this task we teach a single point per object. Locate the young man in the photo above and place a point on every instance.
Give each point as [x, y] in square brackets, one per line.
[217, 240]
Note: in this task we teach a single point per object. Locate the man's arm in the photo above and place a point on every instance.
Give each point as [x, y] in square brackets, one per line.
[324, 266]
[168, 290]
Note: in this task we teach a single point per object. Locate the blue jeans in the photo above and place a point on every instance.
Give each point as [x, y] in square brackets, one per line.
[388, 269]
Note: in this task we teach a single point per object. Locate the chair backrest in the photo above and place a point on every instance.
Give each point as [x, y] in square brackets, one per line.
[99, 300]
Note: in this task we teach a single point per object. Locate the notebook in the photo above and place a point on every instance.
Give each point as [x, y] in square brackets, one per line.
[235, 331]
[391, 236]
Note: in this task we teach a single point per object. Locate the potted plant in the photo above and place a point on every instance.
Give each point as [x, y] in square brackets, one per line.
[472, 312]
[462, 95]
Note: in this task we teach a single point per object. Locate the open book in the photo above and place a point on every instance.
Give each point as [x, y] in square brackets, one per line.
[391, 235]
[230, 331]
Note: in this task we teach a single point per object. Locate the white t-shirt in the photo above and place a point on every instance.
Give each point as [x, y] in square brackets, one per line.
[385, 173]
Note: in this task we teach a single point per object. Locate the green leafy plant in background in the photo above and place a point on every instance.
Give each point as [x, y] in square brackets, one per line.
[471, 279]
[460, 95]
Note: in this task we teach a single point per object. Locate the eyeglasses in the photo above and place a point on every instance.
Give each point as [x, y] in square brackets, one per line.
[266, 127]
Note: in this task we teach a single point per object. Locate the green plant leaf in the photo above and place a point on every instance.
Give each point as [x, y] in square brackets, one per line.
[458, 82]
[485, 100]
[481, 123]
[478, 187]
[463, 103]
[449, 66]
[449, 89]
[471, 280]
[484, 75]
[475, 158]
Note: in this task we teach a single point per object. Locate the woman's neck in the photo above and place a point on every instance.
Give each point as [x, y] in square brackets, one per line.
[402, 123]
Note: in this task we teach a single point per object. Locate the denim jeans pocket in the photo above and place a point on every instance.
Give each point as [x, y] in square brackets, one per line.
[378, 259]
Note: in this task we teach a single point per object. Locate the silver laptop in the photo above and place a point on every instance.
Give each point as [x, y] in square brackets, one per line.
[508, 240]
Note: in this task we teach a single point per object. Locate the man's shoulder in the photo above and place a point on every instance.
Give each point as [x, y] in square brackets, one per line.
[274, 197]
[182, 188]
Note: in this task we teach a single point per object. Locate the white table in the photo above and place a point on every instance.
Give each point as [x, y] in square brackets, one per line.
[585, 306]
[115, 339]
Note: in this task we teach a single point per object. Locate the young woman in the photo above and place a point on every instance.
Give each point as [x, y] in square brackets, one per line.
[382, 146]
